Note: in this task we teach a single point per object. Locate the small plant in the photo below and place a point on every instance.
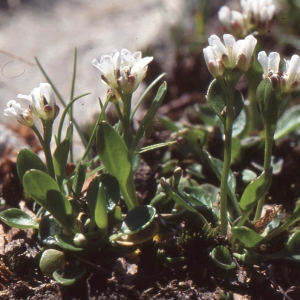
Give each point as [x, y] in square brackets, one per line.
[211, 200]
[70, 218]
[241, 216]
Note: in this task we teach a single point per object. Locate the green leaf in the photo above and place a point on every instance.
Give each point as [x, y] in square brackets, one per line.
[206, 114]
[256, 189]
[137, 219]
[157, 146]
[217, 100]
[114, 156]
[180, 199]
[268, 104]
[60, 208]
[17, 218]
[156, 80]
[250, 141]
[102, 192]
[249, 258]
[148, 118]
[205, 194]
[249, 237]
[51, 260]
[196, 136]
[37, 184]
[28, 160]
[239, 124]
[237, 150]
[45, 191]
[217, 167]
[289, 122]
[79, 178]
[222, 258]
[58, 276]
[170, 124]
[290, 251]
[60, 158]
[48, 228]
[66, 243]
[101, 208]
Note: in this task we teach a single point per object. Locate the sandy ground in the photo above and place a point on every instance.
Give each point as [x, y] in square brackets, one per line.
[50, 29]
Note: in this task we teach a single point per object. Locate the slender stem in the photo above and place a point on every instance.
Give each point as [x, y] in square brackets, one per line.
[254, 120]
[47, 125]
[267, 164]
[227, 160]
[71, 108]
[92, 137]
[36, 131]
[119, 112]
[126, 119]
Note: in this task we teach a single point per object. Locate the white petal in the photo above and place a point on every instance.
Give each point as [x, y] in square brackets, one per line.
[225, 16]
[264, 62]
[25, 97]
[217, 45]
[274, 59]
[229, 40]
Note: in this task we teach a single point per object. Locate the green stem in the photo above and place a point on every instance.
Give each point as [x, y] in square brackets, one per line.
[126, 119]
[254, 116]
[269, 133]
[92, 137]
[227, 160]
[71, 108]
[47, 126]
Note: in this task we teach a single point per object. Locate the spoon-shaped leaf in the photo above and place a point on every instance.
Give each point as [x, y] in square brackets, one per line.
[138, 218]
[289, 121]
[28, 160]
[217, 100]
[51, 260]
[17, 218]
[249, 237]
[45, 191]
[57, 275]
[256, 189]
[222, 258]
[114, 156]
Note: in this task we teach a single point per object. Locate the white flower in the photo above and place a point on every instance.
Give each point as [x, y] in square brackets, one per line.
[123, 70]
[269, 64]
[214, 63]
[15, 110]
[233, 21]
[245, 58]
[291, 77]
[258, 13]
[42, 102]
[233, 54]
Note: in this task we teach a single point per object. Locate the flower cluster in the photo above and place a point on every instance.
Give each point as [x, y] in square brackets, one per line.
[255, 16]
[290, 79]
[15, 110]
[42, 104]
[230, 55]
[123, 71]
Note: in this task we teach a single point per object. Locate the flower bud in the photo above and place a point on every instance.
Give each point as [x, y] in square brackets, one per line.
[23, 116]
[291, 77]
[42, 102]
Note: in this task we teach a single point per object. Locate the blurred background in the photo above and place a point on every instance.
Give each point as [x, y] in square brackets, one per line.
[51, 29]
[173, 31]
